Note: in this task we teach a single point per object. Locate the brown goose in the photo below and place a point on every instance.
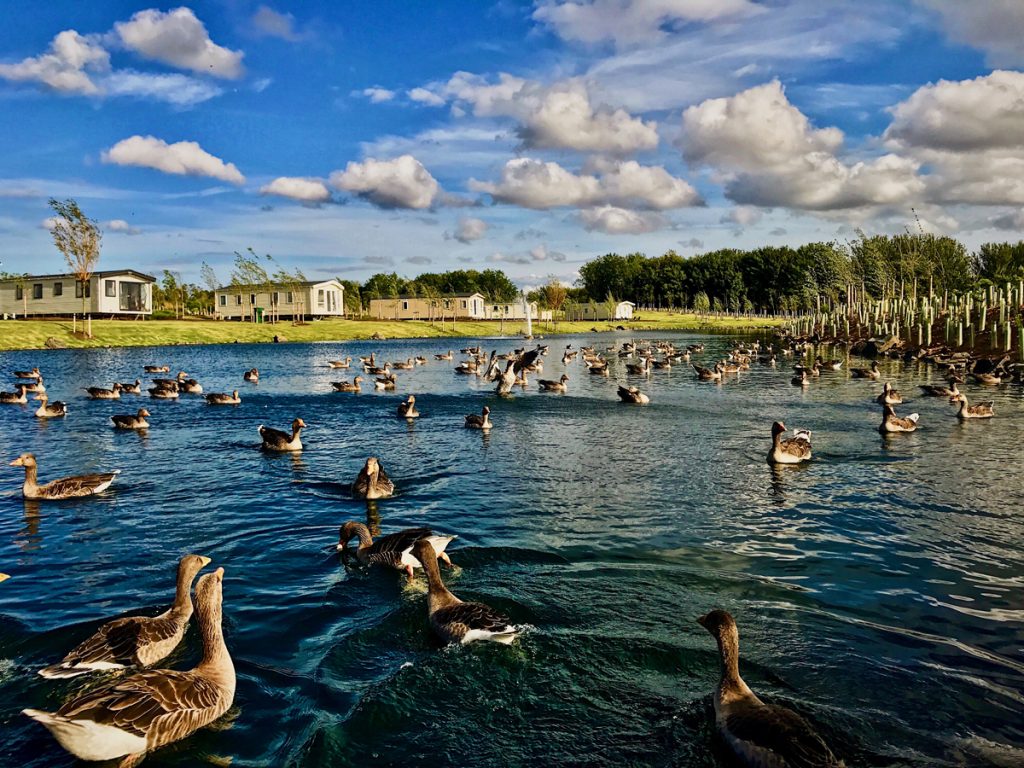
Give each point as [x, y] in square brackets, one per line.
[163, 393]
[276, 440]
[889, 395]
[408, 365]
[385, 382]
[893, 423]
[156, 368]
[633, 395]
[708, 374]
[989, 379]
[344, 386]
[867, 373]
[448, 356]
[760, 735]
[547, 385]
[393, 550]
[480, 420]
[800, 380]
[346, 363]
[99, 393]
[372, 482]
[36, 387]
[935, 390]
[792, 450]
[252, 375]
[223, 398]
[191, 387]
[132, 389]
[983, 410]
[135, 641]
[145, 711]
[174, 383]
[452, 620]
[639, 369]
[48, 410]
[14, 398]
[65, 488]
[127, 421]
[33, 374]
[407, 409]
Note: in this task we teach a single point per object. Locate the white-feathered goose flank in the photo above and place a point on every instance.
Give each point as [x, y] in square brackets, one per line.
[393, 550]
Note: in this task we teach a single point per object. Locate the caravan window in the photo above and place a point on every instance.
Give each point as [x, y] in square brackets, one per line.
[320, 298]
[83, 288]
[19, 292]
[37, 290]
[405, 305]
[58, 289]
[223, 300]
[288, 297]
[276, 298]
[110, 288]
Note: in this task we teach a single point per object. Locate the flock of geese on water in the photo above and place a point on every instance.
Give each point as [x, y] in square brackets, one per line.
[145, 707]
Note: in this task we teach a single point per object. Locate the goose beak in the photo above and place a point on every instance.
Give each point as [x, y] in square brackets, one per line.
[16, 463]
[4, 577]
[219, 573]
[702, 620]
[205, 561]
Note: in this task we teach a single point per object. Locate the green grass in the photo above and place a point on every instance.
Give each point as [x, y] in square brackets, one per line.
[32, 334]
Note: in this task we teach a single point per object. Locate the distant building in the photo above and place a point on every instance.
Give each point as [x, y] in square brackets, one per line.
[622, 310]
[462, 306]
[116, 292]
[324, 298]
[513, 311]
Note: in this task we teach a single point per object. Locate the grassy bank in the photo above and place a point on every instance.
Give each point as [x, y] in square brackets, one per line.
[32, 334]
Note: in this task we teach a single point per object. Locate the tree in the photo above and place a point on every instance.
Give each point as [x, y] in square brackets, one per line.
[554, 295]
[78, 238]
[701, 304]
[250, 274]
[210, 281]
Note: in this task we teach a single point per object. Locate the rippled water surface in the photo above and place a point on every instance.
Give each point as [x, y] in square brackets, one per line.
[877, 589]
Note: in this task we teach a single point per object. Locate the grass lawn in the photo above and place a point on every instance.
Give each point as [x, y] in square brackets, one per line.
[32, 334]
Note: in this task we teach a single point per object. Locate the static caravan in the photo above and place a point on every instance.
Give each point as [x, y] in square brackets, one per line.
[111, 293]
[463, 306]
[325, 298]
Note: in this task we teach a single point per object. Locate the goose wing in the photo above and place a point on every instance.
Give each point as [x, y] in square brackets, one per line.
[122, 420]
[782, 732]
[119, 641]
[383, 481]
[796, 446]
[271, 435]
[627, 395]
[472, 616]
[82, 485]
[525, 360]
[388, 550]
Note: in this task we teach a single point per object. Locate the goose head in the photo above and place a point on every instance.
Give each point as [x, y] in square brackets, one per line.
[298, 424]
[778, 428]
[718, 623]
[143, 413]
[25, 460]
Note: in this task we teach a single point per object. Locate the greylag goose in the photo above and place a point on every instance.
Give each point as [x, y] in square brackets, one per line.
[448, 356]
[163, 393]
[408, 365]
[759, 734]
[223, 398]
[553, 386]
[132, 389]
[407, 409]
[156, 368]
[48, 410]
[480, 420]
[127, 421]
[833, 365]
[989, 379]
[65, 488]
[468, 368]
[376, 370]
[708, 374]
[145, 711]
[344, 386]
[792, 450]
[135, 641]
[893, 423]
[983, 410]
[15, 398]
[633, 395]
[453, 620]
[346, 363]
[393, 550]
[252, 375]
[33, 374]
[36, 387]
[638, 369]
[420, 360]
[866, 373]
[800, 380]
[99, 393]
[276, 440]
[385, 382]
[889, 395]
[372, 482]
[191, 387]
[171, 383]
[935, 390]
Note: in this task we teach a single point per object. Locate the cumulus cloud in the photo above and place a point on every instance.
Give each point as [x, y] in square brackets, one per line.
[613, 220]
[538, 253]
[65, 66]
[418, 260]
[541, 253]
[1013, 220]
[631, 22]
[742, 216]
[270, 23]
[469, 230]
[693, 242]
[376, 94]
[993, 26]
[121, 226]
[183, 158]
[424, 96]
[297, 188]
[768, 154]
[180, 39]
[399, 183]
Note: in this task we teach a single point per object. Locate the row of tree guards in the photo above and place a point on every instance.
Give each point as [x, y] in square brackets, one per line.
[988, 320]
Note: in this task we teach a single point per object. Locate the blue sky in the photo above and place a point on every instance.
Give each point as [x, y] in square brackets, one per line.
[349, 138]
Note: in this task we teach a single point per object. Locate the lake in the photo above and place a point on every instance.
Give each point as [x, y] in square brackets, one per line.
[877, 589]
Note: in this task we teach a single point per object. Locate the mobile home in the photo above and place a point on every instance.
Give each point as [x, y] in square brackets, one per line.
[111, 293]
[324, 298]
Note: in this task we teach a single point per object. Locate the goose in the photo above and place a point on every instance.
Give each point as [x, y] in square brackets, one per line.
[98, 393]
[983, 410]
[252, 375]
[191, 387]
[147, 710]
[14, 398]
[801, 379]
[935, 390]
[345, 386]
[893, 423]
[695, 348]
[638, 369]
[448, 356]
[420, 360]
[33, 374]
[866, 373]
[513, 368]
[135, 641]
[597, 366]
[376, 370]
[889, 395]
[408, 365]
[989, 379]
[480, 420]
[759, 734]
[132, 389]
[708, 374]
[813, 371]
[174, 383]
[222, 398]
[451, 619]
[276, 440]
[346, 363]
[393, 550]
[65, 488]
[372, 482]
[633, 395]
[163, 393]
[834, 365]
[49, 410]
[385, 382]
[156, 368]
[127, 421]
[36, 387]
[468, 368]
[792, 450]
[407, 409]
[546, 385]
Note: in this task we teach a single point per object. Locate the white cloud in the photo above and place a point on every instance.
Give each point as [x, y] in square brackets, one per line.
[399, 183]
[298, 188]
[613, 220]
[424, 96]
[541, 253]
[174, 88]
[270, 23]
[121, 226]
[184, 158]
[643, 186]
[742, 216]
[49, 223]
[1013, 220]
[376, 94]
[65, 67]
[993, 26]
[178, 38]
[631, 22]
[535, 254]
[469, 230]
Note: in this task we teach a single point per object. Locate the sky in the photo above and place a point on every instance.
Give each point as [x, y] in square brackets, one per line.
[352, 138]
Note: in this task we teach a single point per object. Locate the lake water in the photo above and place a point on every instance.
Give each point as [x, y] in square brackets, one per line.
[877, 589]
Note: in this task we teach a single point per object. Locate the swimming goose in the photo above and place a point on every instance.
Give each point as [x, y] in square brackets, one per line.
[468, 368]
[36, 387]
[792, 450]
[990, 379]
[408, 365]
[163, 393]
[453, 620]
[140, 713]
[127, 421]
[276, 440]
[393, 550]
[889, 395]
[760, 735]
[132, 389]
[866, 373]
[935, 390]
[893, 423]
[800, 380]
[171, 383]
[983, 410]
[135, 641]
[344, 386]
[252, 375]
[191, 387]
[222, 398]
[639, 369]
[547, 385]
[633, 395]
[834, 365]
[420, 360]
[480, 420]
[49, 410]
[33, 374]
[98, 393]
[708, 374]
[156, 368]
[346, 363]
[813, 371]
[407, 409]
[448, 356]
[385, 382]
[14, 398]
[64, 488]
[372, 482]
